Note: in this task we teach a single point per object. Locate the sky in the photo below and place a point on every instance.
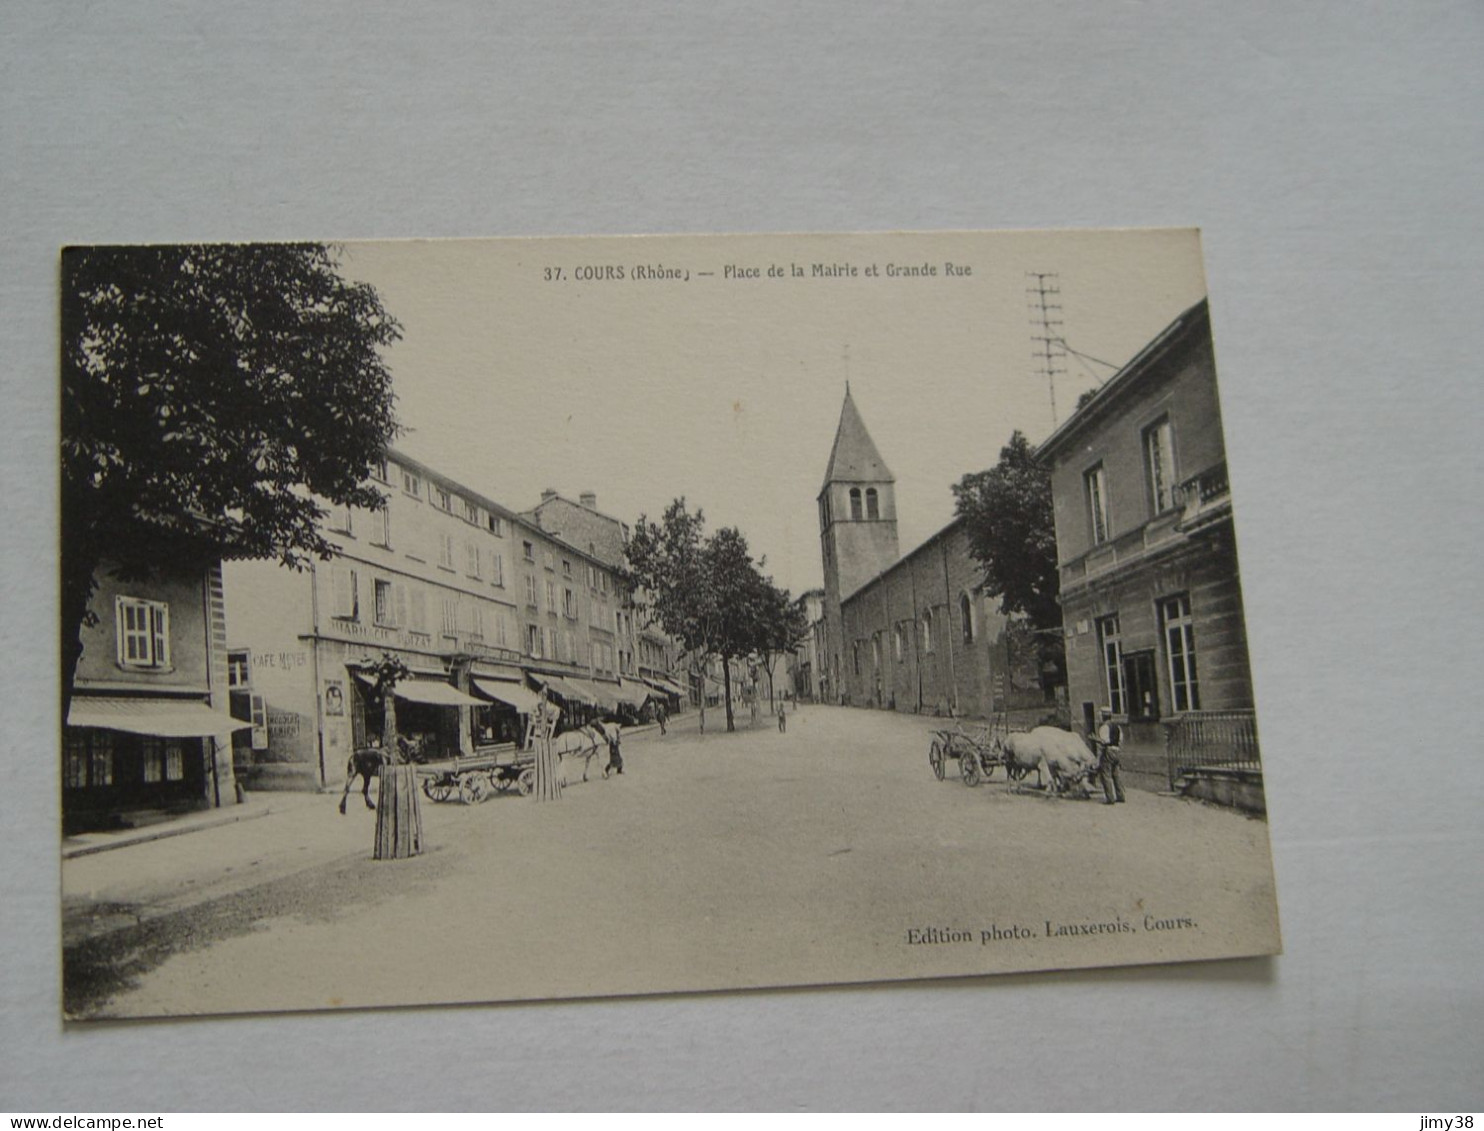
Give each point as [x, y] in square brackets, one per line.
[529, 364]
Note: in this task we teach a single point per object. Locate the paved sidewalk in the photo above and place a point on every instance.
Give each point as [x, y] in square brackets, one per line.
[255, 805]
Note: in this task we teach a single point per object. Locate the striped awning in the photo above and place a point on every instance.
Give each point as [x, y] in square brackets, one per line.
[569, 689]
[508, 692]
[603, 695]
[664, 685]
[634, 694]
[161, 718]
[432, 691]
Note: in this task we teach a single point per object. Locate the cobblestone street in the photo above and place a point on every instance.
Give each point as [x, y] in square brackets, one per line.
[721, 860]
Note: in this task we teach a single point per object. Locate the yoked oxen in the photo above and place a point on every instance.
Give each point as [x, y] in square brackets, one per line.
[1054, 754]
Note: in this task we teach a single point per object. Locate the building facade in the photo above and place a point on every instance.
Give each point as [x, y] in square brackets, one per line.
[804, 664]
[914, 633]
[147, 729]
[482, 605]
[1150, 593]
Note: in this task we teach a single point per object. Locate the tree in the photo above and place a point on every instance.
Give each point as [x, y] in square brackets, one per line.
[740, 603]
[668, 570]
[213, 396]
[387, 672]
[784, 627]
[704, 591]
[1012, 534]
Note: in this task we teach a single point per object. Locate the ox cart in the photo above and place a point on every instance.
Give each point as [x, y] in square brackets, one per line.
[479, 776]
[975, 752]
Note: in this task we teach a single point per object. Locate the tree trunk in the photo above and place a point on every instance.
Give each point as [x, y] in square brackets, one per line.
[399, 820]
[389, 723]
[701, 683]
[726, 675]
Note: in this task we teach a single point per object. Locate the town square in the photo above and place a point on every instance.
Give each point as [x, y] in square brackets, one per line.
[611, 710]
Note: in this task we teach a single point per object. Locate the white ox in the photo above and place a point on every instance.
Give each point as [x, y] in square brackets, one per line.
[1059, 754]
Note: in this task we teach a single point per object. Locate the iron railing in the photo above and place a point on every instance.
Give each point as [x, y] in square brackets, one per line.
[1224, 740]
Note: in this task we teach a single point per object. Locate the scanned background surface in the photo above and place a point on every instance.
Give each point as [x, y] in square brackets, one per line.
[1331, 160]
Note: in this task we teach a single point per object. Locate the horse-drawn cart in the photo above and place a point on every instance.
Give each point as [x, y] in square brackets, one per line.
[975, 752]
[479, 776]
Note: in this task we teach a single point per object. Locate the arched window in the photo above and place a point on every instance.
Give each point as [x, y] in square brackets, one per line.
[896, 642]
[966, 615]
[872, 509]
[855, 504]
[876, 653]
[927, 631]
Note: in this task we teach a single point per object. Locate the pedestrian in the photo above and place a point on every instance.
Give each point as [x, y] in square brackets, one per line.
[782, 719]
[1106, 745]
[752, 705]
[659, 715]
[613, 734]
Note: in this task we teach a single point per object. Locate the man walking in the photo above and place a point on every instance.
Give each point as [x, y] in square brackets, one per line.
[782, 719]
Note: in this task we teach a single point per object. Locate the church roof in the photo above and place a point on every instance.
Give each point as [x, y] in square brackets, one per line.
[854, 457]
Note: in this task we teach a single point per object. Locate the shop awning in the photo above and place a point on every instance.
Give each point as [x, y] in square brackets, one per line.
[511, 694]
[665, 685]
[435, 692]
[634, 694]
[568, 690]
[602, 694]
[162, 718]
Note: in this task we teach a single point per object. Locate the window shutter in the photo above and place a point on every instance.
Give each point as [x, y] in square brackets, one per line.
[341, 579]
[159, 618]
[259, 712]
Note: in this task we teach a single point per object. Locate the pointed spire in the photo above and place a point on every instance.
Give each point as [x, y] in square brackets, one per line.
[854, 457]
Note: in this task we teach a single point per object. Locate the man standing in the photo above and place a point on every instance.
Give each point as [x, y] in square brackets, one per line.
[782, 718]
[615, 755]
[1105, 745]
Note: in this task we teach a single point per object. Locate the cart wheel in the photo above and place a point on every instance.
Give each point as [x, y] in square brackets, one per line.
[473, 788]
[526, 782]
[935, 757]
[438, 789]
[969, 764]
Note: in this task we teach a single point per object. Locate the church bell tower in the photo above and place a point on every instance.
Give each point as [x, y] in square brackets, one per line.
[857, 527]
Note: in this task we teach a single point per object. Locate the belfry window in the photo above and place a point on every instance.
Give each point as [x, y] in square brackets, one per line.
[873, 509]
[855, 504]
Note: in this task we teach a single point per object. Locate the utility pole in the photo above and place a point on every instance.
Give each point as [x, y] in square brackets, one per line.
[1044, 294]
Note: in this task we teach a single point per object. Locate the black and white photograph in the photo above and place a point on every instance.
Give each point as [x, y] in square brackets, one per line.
[475, 621]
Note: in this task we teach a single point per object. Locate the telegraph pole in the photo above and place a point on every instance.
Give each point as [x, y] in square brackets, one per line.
[1044, 295]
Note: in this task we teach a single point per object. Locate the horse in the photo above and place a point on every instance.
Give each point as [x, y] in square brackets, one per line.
[583, 742]
[366, 763]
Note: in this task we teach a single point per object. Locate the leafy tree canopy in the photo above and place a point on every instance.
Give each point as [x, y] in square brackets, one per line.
[211, 395]
[1008, 517]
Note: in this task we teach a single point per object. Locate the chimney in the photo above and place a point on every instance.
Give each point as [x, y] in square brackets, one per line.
[548, 494]
[589, 499]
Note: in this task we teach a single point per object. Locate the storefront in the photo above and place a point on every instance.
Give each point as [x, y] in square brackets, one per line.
[506, 708]
[127, 760]
[430, 714]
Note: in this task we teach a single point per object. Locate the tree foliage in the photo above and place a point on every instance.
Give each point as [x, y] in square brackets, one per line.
[1012, 534]
[705, 591]
[212, 397]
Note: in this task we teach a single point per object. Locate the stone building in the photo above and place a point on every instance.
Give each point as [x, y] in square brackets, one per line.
[147, 730]
[909, 633]
[1150, 593]
[482, 604]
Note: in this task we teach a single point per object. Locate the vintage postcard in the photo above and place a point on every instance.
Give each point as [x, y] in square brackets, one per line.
[497, 620]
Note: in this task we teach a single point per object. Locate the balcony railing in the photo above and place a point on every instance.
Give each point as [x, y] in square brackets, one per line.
[1204, 496]
[1199, 740]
